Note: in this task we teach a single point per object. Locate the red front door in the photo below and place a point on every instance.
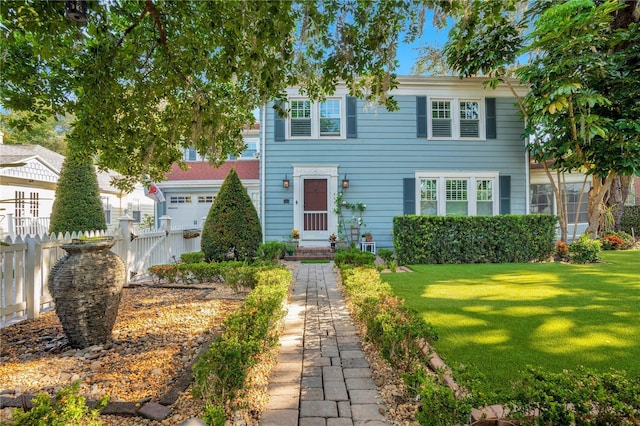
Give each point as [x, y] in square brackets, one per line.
[315, 205]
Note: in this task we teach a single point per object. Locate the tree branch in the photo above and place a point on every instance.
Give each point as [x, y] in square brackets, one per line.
[163, 38]
[132, 26]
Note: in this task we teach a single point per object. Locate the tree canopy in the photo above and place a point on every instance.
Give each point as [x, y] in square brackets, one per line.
[582, 109]
[147, 78]
[50, 133]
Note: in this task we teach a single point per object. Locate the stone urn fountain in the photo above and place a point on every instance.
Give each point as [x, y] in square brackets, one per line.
[86, 286]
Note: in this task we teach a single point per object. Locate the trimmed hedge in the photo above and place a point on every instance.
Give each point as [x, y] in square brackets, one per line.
[474, 239]
[235, 274]
[220, 372]
[631, 219]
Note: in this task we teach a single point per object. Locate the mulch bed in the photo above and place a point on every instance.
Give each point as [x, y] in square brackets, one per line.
[157, 336]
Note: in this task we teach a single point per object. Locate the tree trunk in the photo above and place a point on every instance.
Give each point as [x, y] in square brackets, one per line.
[599, 188]
[616, 197]
[560, 205]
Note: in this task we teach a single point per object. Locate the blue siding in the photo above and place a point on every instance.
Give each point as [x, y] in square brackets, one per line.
[386, 151]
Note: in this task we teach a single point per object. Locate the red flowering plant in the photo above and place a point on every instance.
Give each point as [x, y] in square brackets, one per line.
[562, 251]
[612, 242]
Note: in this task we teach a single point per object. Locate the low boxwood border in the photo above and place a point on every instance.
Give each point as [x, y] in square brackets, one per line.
[221, 371]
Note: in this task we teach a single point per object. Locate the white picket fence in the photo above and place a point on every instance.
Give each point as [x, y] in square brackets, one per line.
[26, 262]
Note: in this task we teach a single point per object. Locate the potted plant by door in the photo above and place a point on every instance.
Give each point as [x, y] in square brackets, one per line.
[332, 241]
[367, 237]
[86, 286]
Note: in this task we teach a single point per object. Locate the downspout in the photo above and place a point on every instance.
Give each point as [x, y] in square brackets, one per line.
[527, 178]
[262, 157]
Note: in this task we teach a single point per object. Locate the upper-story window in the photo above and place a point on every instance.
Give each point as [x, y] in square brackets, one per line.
[469, 119]
[455, 118]
[316, 120]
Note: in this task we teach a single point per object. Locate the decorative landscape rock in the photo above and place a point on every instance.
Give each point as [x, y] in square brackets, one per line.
[86, 286]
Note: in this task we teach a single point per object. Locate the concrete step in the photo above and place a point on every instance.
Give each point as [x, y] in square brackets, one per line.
[312, 253]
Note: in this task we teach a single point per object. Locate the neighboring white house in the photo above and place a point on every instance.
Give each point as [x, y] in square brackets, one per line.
[28, 180]
[189, 194]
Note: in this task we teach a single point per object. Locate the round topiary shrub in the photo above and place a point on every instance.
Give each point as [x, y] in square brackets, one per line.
[232, 229]
[77, 206]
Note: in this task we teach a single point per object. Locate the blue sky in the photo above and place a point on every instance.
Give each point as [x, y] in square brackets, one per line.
[407, 53]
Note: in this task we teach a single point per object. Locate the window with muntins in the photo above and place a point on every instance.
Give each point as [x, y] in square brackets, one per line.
[300, 118]
[457, 199]
[455, 119]
[543, 201]
[441, 119]
[469, 119]
[179, 199]
[34, 204]
[316, 120]
[428, 196]
[106, 206]
[458, 194]
[484, 197]
[330, 118]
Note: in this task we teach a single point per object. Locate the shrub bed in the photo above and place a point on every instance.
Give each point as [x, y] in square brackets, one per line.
[402, 338]
[235, 273]
[474, 239]
[221, 371]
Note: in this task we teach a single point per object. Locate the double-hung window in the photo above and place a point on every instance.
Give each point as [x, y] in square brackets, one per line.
[316, 119]
[455, 119]
[441, 119]
[469, 119]
[300, 118]
[458, 194]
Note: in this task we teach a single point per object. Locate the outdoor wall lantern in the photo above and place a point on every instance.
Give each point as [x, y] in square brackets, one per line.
[345, 182]
[285, 182]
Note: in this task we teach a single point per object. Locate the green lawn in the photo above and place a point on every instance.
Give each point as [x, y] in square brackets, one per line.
[499, 318]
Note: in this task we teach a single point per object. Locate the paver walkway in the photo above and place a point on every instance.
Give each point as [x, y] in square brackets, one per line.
[322, 377]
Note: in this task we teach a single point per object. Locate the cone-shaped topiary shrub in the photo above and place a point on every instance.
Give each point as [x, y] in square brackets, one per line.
[77, 206]
[232, 227]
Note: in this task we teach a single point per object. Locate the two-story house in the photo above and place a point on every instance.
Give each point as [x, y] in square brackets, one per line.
[452, 148]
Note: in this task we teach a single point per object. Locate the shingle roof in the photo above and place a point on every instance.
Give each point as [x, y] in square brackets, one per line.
[22, 153]
[202, 170]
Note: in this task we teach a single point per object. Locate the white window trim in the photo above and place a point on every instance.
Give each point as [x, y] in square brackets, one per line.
[471, 177]
[455, 118]
[315, 119]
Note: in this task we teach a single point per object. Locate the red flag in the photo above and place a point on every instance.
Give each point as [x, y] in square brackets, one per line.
[154, 192]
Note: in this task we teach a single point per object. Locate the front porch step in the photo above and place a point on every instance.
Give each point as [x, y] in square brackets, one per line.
[312, 253]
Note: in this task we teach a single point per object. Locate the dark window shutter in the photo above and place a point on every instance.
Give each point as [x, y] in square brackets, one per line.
[352, 117]
[505, 194]
[278, 125]
[490, 112]
[409, 196]
[421, 116]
